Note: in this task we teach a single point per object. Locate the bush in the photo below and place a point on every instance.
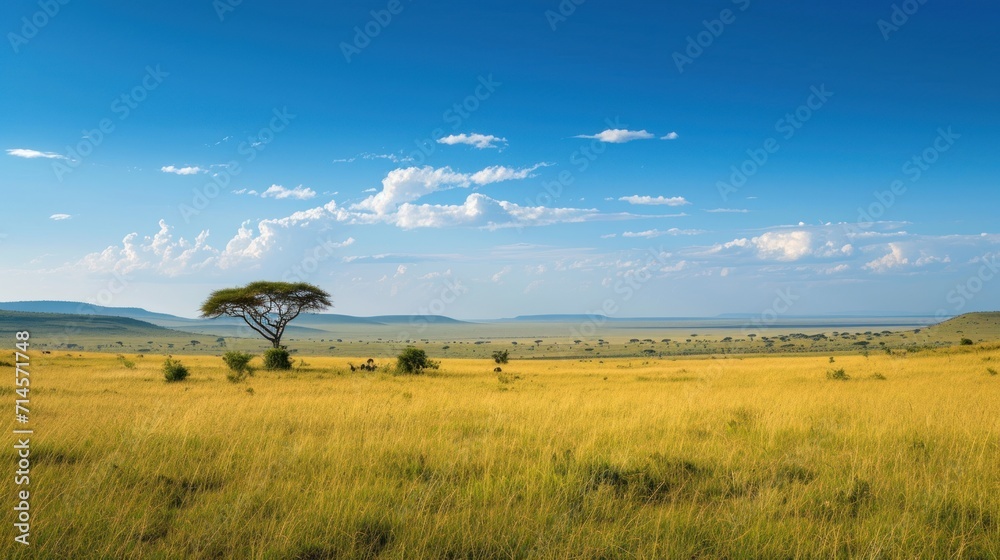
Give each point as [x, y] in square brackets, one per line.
[415, 361]
[991, 371]
[277, 358]
[173, 370]
[126, 363]
[501, 357]
[238, 364]
[966, 342]
[837, 374]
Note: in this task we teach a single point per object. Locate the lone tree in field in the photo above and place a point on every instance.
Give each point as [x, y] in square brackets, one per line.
[267, 307]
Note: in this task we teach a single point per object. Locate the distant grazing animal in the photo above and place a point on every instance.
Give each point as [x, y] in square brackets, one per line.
[497, 370]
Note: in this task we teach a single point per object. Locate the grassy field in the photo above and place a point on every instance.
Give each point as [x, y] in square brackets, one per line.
[727, 457]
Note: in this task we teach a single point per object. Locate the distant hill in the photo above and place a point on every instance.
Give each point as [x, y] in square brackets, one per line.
[977, 327]
[223, 324]
[69, 325]
[80, 308]
[557, 318]
[411, 319]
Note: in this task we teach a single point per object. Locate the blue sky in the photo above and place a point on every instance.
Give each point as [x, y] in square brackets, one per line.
[492, 159]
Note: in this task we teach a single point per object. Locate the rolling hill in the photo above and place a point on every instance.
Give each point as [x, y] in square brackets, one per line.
[305, 323]
[70, 329]
[977, 327]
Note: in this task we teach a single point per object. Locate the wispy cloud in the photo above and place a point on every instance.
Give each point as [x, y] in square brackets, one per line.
[618, 135]
[32, 154]
[655, 200]
[649, 234]
[279, 192]
[728, 211]
[670, 136]
[60, 217]
[498, 277]
[480, 141]
[406, 185]
[370, 156]
[190, 170]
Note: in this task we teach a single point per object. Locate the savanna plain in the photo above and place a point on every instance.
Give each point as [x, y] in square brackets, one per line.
[881, 454]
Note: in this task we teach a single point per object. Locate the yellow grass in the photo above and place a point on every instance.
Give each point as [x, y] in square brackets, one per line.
[737, 458]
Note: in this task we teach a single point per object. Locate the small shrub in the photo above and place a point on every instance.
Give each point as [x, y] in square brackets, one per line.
[173, 370]
[238, 361]
[878, 377]
[837, 375]
[832, 360]
[5, 363]
[126, 363]
[501, 357]
[277, 359]
[966, 342]
[991, 371]
[238, 364]
[414, 361]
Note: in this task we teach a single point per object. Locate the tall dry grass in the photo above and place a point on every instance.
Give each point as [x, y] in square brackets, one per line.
[736, 458]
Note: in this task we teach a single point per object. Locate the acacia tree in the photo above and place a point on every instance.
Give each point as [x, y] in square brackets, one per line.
[267, 307]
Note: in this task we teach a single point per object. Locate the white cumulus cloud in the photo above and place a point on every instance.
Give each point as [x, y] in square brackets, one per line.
[783, 245]
[670, 136]
[190, 170]
[480, 141]
[618, 135]
[279, 192]
[893, 259]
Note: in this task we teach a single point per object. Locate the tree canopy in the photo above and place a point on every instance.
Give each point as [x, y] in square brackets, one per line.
[267, 307]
